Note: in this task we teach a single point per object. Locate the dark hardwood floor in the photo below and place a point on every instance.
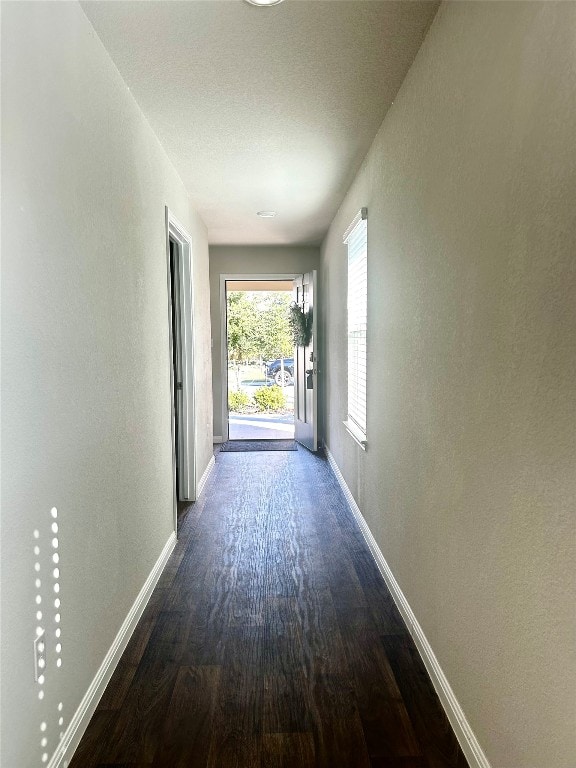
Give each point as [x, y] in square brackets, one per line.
[271, 641]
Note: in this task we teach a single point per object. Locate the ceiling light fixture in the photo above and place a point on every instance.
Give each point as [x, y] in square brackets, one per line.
[266, 214]
[264, 3]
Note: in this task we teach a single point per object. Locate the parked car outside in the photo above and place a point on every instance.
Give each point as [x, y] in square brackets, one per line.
[274, 371]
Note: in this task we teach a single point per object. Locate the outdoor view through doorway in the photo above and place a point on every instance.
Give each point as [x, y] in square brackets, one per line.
[260, 360]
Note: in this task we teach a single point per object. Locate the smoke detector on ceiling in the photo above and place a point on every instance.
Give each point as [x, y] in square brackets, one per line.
[266, 214]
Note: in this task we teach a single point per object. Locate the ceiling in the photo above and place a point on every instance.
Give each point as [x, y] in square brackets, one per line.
[263, 108]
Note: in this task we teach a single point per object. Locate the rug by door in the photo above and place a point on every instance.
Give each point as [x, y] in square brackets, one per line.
[258, 445]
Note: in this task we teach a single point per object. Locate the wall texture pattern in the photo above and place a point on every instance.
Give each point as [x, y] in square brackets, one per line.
[85, 362]
[468, 482]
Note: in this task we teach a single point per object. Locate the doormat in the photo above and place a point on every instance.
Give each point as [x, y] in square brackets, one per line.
[258, 445]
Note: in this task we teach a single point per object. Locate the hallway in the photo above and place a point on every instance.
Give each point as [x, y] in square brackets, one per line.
[270, 640]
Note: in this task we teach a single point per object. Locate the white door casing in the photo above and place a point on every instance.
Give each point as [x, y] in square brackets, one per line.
[183, 405]
[236, 277]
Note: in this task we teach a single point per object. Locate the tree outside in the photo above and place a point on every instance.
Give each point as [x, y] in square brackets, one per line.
[258, 327]
[258, 330]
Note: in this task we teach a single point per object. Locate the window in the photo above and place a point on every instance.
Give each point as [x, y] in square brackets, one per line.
[356, 238]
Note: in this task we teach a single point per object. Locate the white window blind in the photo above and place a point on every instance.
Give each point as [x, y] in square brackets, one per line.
[356, 238]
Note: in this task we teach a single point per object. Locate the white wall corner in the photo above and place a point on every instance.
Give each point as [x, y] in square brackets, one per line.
[73, 734]
[466, 738]
[206, 474]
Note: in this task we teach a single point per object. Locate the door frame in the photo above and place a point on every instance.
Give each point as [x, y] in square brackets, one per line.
[224, 278]
[187, 475]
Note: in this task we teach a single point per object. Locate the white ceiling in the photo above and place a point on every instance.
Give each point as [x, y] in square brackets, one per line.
[264, 108]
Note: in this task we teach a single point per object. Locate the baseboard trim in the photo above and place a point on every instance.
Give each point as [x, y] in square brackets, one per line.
[69, 742]
[218, 439]
[204, 479]
[468, 741]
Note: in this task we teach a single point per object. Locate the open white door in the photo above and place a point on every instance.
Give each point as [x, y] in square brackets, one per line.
[306, 369]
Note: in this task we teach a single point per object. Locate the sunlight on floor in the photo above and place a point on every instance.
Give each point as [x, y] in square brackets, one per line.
[260, 426]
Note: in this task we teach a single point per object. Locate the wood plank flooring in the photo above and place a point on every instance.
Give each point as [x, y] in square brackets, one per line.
[271, 641]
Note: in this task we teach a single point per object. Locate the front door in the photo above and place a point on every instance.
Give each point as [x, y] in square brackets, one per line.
[306, 368]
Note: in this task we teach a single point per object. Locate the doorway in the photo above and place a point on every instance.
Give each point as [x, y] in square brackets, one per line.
[175, 325]
[180, 308]
[259, 359]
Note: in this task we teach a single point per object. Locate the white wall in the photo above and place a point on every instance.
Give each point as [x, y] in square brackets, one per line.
[247, 260]
[468, 483]
[85, 361]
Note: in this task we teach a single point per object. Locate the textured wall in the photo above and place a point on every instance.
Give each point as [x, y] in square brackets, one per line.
[202, 344]
[247, 260]
[85, 360]
[468, 483]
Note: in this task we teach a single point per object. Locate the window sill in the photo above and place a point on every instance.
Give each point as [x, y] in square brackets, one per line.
[356, 434]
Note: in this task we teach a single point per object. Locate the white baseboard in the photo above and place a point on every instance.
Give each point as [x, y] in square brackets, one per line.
[218, 439]
[468, 741]
[204, 479]
[69, 742]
